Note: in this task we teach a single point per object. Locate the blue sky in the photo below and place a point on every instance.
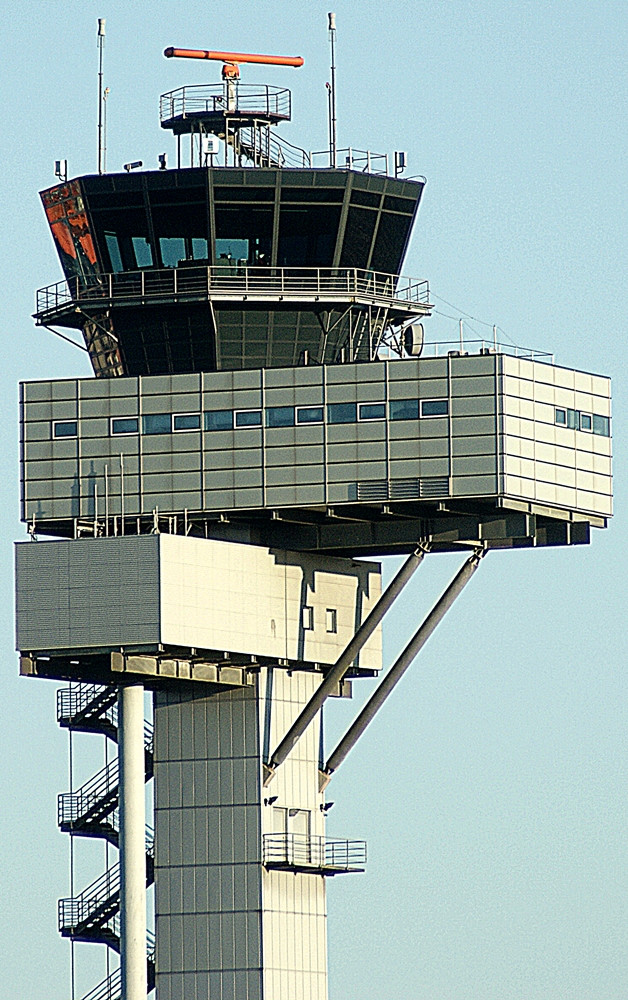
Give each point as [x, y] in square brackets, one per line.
[491, 789]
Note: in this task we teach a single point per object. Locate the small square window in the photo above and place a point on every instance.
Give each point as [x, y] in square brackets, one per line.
[561, 417]
[601, 425]
[125, 425]
[280, 416]
[307, 618]
[248, 418]
[342, 413]
[586, 422]
[187, 422]
[434, 408]
[219, 420]
[404, 409]
[331, 619]
[372, 411]
[310, 415]
[65, 429]
[157, 423]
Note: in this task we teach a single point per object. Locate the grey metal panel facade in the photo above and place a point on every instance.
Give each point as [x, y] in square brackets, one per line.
[208, 881]
[460, 453]
[96, 593]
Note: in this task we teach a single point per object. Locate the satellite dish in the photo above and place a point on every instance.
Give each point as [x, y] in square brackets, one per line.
[413, 337]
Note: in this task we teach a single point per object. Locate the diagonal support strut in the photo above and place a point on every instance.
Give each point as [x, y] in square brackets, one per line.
[400, 666]
[344, 662]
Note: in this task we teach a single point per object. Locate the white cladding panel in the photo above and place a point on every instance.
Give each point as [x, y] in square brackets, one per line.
[266, 602]
[543, 461]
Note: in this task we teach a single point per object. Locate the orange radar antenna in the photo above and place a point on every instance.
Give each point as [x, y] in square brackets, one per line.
[231, 60]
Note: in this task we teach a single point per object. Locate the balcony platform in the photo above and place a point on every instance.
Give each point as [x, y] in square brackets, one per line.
[294, 852]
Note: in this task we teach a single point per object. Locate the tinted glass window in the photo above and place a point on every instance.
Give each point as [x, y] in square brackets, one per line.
[395, 204]
[248, 418]
[280, 416]
[573, 420]
[342, 413]
[172, 249]
[372, 411]
[585, 422]
[65, 429]
[310, 415]
[125, 425]
[601, 425]
[187, 422]
[434, 408]
[250, 225]
[113, 249]
[156, 423]
[404, 409]
[369, 198]
[307, 235]
[390, 242]
[561, 417]
[142, 251]
[356, 246]
[219, 420]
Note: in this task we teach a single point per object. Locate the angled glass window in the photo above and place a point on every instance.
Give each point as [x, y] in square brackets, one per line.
[157, 423]
[434, 408]
[113, 249]
[219, 420]
[342, 413]
[280, 416]
[248, 418]
[142, 251]
[586, 422]
[310, 415]
[601, 425]
[187, 421]
[125, 425]
[65, 429]
[372, 411]
[404, 409]
[172, 249]
[561, 417]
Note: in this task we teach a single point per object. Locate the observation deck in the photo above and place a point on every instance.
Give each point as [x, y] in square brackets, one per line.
[294, 852]
[211, 105]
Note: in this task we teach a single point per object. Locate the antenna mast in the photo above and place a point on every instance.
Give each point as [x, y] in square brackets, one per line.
[332, 92]
[101, 96]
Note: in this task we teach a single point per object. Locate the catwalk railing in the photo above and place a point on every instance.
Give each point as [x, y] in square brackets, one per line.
[298, 851]
[198, 281]
[247, 99]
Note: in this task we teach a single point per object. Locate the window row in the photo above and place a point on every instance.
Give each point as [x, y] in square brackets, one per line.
[575, 420]
[275, 416]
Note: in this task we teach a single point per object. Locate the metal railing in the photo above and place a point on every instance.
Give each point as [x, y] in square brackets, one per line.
[168, 283]
[250, 99]
[81, 701]
[352, 159]
[454, 348]
[297, 850]
[100, 791]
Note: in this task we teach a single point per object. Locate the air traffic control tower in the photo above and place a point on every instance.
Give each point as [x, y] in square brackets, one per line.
[207, 512]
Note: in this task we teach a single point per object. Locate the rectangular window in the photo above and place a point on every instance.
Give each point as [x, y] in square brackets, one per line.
[199, 249]
[65, 429]
[187, 422]
[113, 249]
[172, 249]
[601, 425]
[331, 620]
[280, 416]
[248, 418]
[219, 420]
[307, 618]
[561, 417]
[372, 411]
[156, 423]
[586, 423]
[404, 409]
[573, 420]
[310, 415]
[434, 408]
[142, 251]
[125, 425]
[342, 413]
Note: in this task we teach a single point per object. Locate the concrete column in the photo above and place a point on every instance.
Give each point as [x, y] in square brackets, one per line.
[132, 842]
